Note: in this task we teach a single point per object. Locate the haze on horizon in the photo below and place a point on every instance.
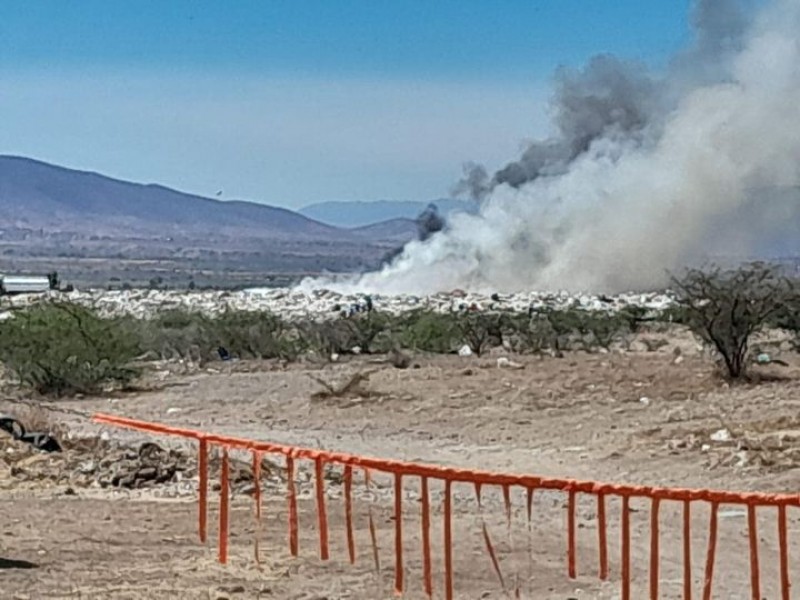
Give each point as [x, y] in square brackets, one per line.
[291, 104]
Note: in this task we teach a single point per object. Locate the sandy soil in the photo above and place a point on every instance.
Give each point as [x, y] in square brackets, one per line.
[635, 417]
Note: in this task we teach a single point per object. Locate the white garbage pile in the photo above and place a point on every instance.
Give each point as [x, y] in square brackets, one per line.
[325, 304]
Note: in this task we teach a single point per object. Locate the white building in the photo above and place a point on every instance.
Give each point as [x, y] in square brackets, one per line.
[24, 284]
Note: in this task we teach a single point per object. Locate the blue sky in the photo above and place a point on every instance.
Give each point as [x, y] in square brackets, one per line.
[297, 102]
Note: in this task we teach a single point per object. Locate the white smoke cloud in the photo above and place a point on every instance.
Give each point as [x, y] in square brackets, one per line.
[658, 172]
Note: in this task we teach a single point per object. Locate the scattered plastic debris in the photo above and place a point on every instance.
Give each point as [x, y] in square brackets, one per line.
[721, 435]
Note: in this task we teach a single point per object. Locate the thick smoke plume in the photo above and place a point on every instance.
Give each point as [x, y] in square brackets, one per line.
[646, 171]
[429, 221]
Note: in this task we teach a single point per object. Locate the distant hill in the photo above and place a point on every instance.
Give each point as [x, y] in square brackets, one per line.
[399, 230]
[359, 214]
[94, 230]
[36, 194]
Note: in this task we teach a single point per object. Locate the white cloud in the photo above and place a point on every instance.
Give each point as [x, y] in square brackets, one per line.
[280, 140]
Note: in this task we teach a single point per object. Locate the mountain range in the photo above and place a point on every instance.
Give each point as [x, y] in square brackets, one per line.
[40, 195]
[50, 214]
[357, 214]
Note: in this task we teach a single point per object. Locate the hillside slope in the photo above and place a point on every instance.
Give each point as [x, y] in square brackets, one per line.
[36, 194]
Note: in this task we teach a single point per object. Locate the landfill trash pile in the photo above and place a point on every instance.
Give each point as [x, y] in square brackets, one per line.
[326, 304]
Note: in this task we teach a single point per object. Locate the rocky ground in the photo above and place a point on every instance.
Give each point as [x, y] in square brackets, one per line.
[114, 515]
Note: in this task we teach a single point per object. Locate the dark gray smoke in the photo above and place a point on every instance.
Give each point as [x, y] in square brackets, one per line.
[610, 97]
[475, 182]
[719, 28]
[429, 221]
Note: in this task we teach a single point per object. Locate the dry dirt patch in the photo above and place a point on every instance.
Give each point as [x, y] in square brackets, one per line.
[638, 417]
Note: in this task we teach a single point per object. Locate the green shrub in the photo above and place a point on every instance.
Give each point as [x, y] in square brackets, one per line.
[64, 349]
[531, 334]
[243, 334]
[370, 332]
[634, 316]
[176, 334]
[254, 335]
[561, 330]
[428, 331]
[674, 314]
[599, 328]
[480, 330]
[788, 316]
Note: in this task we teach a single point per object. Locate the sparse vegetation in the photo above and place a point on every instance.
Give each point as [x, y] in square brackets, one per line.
[725, 308]
[788, 318]
[480, 330]
[559, 331]
[427, 331]
[366, 333]
[64, 349]
[190, 335]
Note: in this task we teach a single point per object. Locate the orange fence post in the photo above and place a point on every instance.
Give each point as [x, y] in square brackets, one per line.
[257, 499]
[687, 550]
[752, 527]
[712, 550]
[654, 550]
[448, 543]
[626, 549]
[573, 573]
[601, 535]
[348, 512]
[224, 498]
[427, 576]
[292, 499]
[202, 503]
[784, 553]
[322, 513]
[372, 532]
[398, 534]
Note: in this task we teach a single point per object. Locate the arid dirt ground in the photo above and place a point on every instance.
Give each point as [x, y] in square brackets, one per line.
[649, 417]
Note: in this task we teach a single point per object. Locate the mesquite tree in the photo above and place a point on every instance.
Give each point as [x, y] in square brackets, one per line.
[725, 308]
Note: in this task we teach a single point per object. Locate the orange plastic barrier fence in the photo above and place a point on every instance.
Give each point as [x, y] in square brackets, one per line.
[479, 479]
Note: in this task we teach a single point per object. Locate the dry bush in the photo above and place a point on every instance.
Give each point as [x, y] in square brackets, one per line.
[352, 386]
[726, 308]
[560, 330]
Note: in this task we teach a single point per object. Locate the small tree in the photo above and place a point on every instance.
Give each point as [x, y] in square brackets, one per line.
[725, 308]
